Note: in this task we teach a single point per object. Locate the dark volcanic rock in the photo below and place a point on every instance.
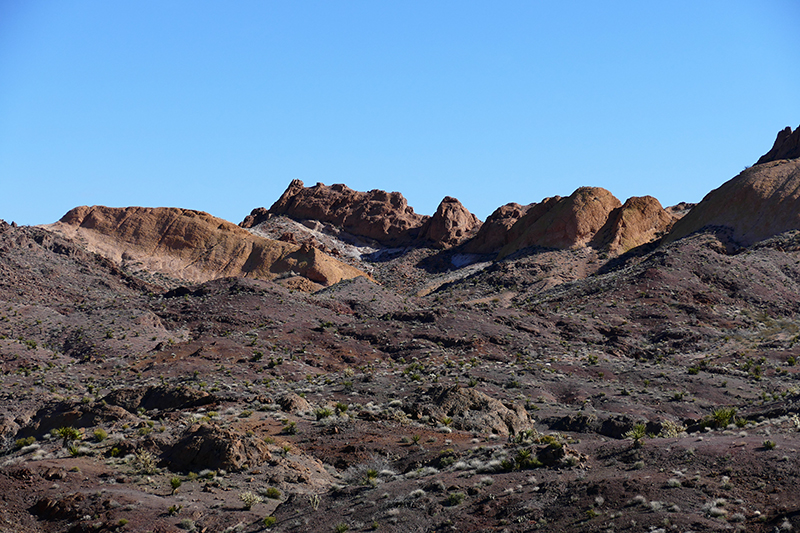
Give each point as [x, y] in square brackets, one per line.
[212, 447]
[161, 398]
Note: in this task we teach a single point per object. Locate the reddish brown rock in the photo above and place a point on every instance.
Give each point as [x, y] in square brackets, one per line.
[640, 220]
[680, 209]
[762, 201]
[563, 223]
[787, 146]
[450, 225]
[494, 233]
[383, 216]
[192, 245]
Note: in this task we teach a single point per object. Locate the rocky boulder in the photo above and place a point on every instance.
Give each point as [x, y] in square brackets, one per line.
[161, 398]
[494, 233]
[787, 146]
[450, 225]
[379, 215]
[470, 410]
[213, 447]
[563, 223]
[74, 414]
[762, 201]
[193, 245]
[294, 403]
[640, 220]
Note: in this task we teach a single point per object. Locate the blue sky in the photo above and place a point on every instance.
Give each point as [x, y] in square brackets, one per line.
[218, 105]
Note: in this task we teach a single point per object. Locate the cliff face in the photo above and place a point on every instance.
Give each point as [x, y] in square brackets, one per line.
[194, 246]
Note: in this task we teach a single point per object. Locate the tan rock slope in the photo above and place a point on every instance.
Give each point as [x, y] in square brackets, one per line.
[760, 202]
[193, 245]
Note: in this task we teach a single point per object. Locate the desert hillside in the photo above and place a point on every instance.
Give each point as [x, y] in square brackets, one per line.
[338, 362]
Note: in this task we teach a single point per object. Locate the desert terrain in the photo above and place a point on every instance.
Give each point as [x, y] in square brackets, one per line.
[337, 362]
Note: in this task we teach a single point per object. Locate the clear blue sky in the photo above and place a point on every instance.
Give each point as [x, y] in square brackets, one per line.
[218, 105]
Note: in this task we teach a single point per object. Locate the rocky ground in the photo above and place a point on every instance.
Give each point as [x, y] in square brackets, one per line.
[558, 390]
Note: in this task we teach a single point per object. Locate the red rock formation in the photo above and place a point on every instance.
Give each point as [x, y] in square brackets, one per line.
[194, 246]
[494, 233]
[787, 146]
[762, 201]
[563, 222]
[385, 217]
[640, 220]
[450, 225]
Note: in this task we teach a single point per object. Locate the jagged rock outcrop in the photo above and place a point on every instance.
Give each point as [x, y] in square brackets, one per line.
[450, 225]
[379, 215]
[640, 220]
[787, 146]
[562, 223]
[762, 201]
[193, 245]
[494, 233]
[470, 410]
[213, 447]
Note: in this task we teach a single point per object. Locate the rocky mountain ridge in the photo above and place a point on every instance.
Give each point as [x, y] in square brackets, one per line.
[599, 377]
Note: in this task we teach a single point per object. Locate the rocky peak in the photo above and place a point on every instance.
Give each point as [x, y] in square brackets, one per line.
[640, 220]
[493, 234]
[450, 225]
[383, 216]
[787, 146]
[563, 223]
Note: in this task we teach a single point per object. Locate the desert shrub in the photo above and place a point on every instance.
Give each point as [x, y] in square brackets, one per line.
[272, 493]
[68, 434]
[269, 521]
[637, 435]
[770, 444]
[455, 498]
[323, 413]
[100, 434]
[249, 499]
[724, 416]
[175, 483]
[671, 429]
[21, 443]
[144, 462]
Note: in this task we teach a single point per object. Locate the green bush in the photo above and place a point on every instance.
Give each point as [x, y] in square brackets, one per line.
[272, 493]
[21, 443]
